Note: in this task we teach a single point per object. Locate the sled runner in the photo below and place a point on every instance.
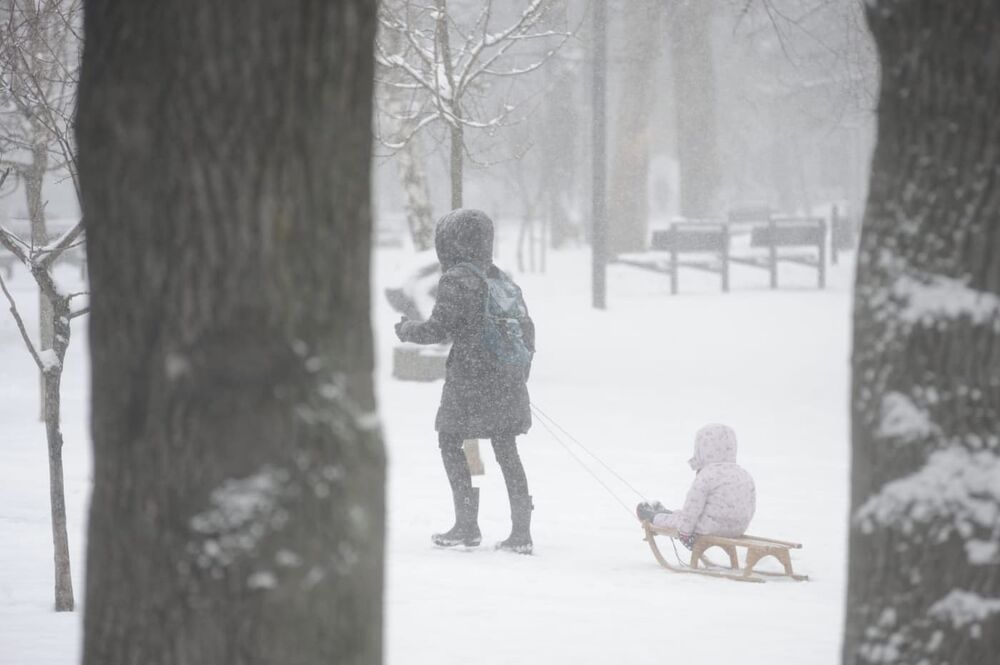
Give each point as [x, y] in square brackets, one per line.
[755, 549]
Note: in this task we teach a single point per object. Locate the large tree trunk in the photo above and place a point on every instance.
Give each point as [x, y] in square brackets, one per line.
[628, 194]
[924, 540]
[238, 504]
[694, 100]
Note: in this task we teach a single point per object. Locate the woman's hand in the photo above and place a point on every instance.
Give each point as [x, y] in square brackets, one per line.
[401, 328]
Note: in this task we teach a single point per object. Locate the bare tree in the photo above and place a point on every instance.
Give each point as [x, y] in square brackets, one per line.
[39, 67]
[804, 72]
[925, 504]
[39, 47]
[50, 364]
[395, 103]
[237, 513]
[448, 65]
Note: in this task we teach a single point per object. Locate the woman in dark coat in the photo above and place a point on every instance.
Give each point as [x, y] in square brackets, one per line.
[477, 402]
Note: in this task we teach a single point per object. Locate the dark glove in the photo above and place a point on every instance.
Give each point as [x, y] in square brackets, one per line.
[401, 329]
[647, 510]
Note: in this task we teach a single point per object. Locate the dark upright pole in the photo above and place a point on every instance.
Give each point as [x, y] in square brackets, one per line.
[599, 237]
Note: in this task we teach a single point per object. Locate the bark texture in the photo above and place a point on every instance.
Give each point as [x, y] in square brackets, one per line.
[694, 94]
[925, 507]
[238, 510]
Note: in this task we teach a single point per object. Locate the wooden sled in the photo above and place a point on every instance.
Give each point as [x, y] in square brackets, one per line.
[756, 549]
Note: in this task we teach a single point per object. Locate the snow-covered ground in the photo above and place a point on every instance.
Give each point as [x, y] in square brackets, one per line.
[632, 384]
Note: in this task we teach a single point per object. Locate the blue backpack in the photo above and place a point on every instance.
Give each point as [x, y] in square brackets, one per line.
[504, 314]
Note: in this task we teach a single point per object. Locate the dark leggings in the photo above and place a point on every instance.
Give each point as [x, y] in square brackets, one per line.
[505, 449]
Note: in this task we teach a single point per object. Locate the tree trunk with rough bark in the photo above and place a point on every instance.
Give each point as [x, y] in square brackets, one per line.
[628, 193]
[238, 504]
[694, 100]
[924, 572]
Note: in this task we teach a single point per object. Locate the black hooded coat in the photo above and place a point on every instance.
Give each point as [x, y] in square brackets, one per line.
[476, 402]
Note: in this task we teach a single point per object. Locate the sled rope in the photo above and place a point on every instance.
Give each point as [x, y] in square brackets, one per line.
[551, 426]
[586, 468]
[541, 414]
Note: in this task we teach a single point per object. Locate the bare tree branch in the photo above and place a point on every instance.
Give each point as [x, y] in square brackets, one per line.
[449, 76]
[53, 250]
[20, 326]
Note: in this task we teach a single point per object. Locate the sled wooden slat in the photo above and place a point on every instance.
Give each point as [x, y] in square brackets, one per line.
[755, 548]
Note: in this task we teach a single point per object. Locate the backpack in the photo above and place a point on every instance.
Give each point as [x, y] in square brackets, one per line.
[504, 314]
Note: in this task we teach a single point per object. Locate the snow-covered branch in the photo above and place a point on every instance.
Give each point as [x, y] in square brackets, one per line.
[15, 246]
[425, 49]
[398, 144]
[66, 241]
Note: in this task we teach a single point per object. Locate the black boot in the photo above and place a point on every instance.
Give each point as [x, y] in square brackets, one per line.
[466, 529]
[520, 533]
[647, 510]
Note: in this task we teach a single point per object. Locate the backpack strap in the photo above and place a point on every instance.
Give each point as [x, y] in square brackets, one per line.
[473, 267]
[481, 274]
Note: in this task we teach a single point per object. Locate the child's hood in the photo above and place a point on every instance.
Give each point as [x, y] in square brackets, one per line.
[713, 444]
[464, 236]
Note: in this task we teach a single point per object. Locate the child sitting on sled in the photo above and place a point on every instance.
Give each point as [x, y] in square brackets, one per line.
[722, 498]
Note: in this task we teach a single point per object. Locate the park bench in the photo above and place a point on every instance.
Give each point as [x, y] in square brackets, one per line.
[705, 242]
[777, 235]
[754, 548]
[753, 237]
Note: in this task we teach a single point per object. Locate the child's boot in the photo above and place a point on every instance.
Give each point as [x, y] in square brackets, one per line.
[647, 510]
[466, 529]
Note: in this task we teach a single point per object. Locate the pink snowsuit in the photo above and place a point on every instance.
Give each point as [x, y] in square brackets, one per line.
[722, 498]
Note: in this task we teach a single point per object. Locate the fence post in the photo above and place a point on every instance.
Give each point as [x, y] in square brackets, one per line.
[725, 257]
[772, 249]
